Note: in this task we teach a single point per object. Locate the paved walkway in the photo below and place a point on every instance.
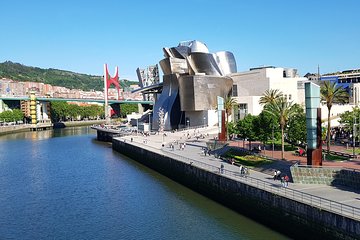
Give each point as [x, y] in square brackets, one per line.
[290, 157]
[326, 196]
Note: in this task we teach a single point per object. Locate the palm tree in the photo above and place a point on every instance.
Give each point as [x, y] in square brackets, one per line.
[270, 96]
[330, 94]
[228, 105]
[282, 110]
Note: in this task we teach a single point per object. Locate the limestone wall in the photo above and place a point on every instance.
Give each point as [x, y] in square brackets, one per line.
[328, 176]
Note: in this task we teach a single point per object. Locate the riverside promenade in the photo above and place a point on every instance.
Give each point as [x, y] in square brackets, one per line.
[342, 201]
[299, 210]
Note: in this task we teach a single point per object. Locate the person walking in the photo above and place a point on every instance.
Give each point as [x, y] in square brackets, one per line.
[278, 174]
[286, 180]
[222, 168]
[275, 175]
[241, 170]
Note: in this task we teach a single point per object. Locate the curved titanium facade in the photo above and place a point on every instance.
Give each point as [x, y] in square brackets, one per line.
[169, 101]
[226, 62]
[203, 63]
[193, 79]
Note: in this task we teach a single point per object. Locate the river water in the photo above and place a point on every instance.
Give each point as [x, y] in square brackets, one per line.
[63, 184]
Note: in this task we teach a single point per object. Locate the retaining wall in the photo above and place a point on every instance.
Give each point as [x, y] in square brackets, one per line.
[328, 176]
[295, 219]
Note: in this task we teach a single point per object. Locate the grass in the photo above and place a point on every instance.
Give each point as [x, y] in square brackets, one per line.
[330, 157]
[350, 150]
[277, 145]
[247, 159]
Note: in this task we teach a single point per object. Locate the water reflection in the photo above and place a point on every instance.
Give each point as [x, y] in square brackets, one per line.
[46, 134]
[70, 186]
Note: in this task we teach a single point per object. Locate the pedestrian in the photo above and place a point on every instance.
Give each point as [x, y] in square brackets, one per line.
[241, 170]
[286, 179]
[282, 181]
[222, 168]
[278, 175]
[275, 175]
[246, 172]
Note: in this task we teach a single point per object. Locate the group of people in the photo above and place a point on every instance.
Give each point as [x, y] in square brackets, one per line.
[206, 151]
[284, 179]
[300, 152]
[244, 171]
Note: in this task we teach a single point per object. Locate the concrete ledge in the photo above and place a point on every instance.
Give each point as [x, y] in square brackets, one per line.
[290, 217]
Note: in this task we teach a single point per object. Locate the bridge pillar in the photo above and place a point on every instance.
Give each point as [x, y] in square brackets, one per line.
[140, 108]
[2, 106]
[33, 108]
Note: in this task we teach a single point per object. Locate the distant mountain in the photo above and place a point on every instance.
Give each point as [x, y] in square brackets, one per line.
[55, 77]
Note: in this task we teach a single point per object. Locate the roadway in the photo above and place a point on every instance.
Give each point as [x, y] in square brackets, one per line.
[47, 99]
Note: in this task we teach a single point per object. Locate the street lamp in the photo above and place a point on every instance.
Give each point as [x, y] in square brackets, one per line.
[137, 126]
[204, 121]
[188, 123]
[354, 132]
[272, 141]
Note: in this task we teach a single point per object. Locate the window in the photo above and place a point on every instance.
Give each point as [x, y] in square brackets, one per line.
[234, 91]
[243, 110]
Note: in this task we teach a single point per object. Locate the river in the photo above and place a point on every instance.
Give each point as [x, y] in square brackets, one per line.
[64, 184]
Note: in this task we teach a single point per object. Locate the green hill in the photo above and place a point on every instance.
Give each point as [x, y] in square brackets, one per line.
[55, 77]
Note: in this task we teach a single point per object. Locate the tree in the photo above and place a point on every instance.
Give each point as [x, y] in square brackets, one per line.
[18, 115]
[58, 111]
[246, 128]
[128, 108]
[282, 110]
[331, 94]
[12, 115]
[264, 125]
[296, 132]
[270, 96]
[347, 119]
[231, 128]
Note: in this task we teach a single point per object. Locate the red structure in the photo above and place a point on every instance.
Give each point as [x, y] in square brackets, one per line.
[112, 80]
[314, 156]
[222, 134]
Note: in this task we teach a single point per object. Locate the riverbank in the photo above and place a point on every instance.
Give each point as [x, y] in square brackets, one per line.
[30, 127]
[300, 211]
[14, 129]
[78, 123]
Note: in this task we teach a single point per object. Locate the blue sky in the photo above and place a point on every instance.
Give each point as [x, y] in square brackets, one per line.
[82, 35]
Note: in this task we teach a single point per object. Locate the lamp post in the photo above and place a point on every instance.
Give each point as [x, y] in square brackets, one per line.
[204, 121]
[354, 132]
[188, 123]
[137, 126]
[272, 141]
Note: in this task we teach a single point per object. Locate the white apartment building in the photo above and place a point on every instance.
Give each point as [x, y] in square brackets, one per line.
[249, 86]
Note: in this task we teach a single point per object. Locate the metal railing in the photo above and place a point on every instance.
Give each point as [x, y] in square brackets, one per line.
[305, 198]
[326, 167]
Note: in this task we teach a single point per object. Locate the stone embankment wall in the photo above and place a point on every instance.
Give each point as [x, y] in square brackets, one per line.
[295, 219]
[328, 176]
[14, 129]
